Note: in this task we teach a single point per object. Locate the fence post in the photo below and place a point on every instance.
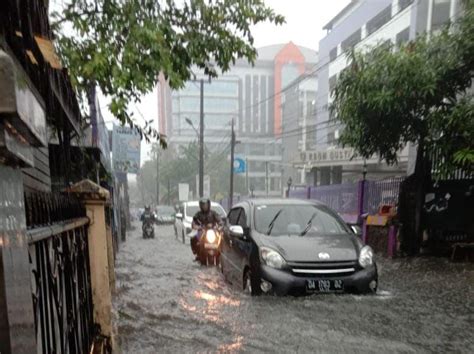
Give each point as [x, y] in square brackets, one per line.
[95, 198]
[360, 200]
[17, 326]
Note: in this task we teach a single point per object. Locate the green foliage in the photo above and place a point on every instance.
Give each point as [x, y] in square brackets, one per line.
[182, 167]
[122, 46]
[418, 93]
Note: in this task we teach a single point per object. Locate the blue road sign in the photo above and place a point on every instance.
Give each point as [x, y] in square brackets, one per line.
[239, 165]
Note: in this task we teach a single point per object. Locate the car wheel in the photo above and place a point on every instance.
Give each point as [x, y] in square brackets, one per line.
[252, 283]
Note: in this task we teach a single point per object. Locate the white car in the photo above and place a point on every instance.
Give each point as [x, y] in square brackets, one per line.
[184, 218]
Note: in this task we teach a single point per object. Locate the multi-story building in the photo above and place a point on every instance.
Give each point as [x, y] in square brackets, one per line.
[251, 96]
[361, 24]
[299, 116]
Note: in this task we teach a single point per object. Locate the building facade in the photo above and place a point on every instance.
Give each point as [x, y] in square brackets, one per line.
[249, 95]
[362, 24]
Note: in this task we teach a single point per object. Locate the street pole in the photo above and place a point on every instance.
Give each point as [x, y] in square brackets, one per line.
[201, 142]
[157, 179]
[266, 177]
[169, 192]
[247, 175]
[232, 147]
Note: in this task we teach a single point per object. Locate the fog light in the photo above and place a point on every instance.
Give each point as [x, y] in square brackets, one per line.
[266, 286]
[373, 285]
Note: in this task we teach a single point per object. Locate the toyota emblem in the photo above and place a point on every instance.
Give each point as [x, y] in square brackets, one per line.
[323, 255]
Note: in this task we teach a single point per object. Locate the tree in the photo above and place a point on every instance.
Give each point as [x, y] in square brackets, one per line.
[420, 92]
[122, 46]
[182, 167]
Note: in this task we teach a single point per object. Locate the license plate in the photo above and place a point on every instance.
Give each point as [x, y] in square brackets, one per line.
[324, 285]
[210, 246]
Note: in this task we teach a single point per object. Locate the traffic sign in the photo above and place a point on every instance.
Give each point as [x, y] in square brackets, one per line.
[239, 165]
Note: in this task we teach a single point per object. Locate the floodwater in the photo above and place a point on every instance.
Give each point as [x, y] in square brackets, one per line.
[165, 303]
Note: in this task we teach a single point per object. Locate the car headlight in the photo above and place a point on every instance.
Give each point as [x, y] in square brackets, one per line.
[211, 236]
[272, 258]
[366, 256]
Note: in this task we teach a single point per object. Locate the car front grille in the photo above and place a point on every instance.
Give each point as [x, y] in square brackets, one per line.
[323, 269]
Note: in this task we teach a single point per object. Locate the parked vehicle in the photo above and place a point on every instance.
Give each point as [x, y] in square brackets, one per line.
[165, 214]
[184, 218]
[286, 246]
[209, 245]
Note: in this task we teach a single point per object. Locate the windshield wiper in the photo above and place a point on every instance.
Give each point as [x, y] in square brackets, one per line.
[270, 226]
[308, 225]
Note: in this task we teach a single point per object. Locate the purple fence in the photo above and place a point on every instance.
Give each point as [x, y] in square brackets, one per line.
[351, 200]
[383, 192]
[344, 198]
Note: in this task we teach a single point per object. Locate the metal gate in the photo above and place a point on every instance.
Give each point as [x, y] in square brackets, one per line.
[60, 273]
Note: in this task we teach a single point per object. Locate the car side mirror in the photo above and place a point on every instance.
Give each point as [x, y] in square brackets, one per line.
[236, 230]
[356, 230]
[179, 216]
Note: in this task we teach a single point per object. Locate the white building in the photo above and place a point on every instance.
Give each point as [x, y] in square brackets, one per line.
[361, 24]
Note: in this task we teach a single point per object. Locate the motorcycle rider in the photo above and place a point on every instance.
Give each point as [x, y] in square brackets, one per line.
[204, 217]
[147, 217]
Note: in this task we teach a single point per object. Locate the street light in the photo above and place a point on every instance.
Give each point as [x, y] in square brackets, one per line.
[364, 170]
[192, 125]
[201, 149]
[289, 183]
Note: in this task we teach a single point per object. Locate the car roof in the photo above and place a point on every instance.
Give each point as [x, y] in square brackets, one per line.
[279, 201]
[196, 203]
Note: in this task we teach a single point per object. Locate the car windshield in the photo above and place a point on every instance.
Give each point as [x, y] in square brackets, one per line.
[290, 219]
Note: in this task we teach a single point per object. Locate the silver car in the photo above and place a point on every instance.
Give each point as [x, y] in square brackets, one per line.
[184, 218]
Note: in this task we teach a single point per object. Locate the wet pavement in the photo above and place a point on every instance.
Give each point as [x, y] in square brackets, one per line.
[165, 302]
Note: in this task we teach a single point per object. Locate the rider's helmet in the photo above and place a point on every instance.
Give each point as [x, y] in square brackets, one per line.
[147, 208]
[204, 205]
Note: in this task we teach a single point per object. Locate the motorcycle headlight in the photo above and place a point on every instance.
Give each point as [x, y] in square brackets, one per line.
[211, 236]
[366, 256]
[272, 258]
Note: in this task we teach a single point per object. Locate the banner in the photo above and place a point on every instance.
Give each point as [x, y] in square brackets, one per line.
[125, 149]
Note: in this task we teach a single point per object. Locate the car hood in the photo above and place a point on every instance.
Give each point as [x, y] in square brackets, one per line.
[306, 249]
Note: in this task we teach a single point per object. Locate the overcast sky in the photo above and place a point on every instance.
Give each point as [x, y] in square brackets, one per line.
[304, 22]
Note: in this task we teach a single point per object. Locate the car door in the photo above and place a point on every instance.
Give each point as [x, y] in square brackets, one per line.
[227, 244]
[241, 245]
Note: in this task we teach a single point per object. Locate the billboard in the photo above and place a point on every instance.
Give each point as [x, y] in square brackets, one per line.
[125, 149]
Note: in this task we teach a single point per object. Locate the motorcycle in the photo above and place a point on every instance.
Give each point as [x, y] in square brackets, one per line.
[209, 245]
[148, 230]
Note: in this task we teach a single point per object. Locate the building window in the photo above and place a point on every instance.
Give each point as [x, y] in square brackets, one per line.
[289, 72]
[403, 37]
[332, 83]
[228, 88]
[351, 41]
[331, 138]
[440, 17]
[333, 54]
[403, 4]
[378, 21]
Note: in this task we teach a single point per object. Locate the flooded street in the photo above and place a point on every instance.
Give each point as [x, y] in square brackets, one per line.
[165, 302]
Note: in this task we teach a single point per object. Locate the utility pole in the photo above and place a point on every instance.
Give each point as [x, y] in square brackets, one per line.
[247, 175]
[157, 179]
[201, 141]
[232, 147]
[266, 177]
[169, 192]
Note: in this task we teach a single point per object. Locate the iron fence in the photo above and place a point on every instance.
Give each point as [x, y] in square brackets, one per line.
[383, 192]
[353, 199]
[60, 273]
